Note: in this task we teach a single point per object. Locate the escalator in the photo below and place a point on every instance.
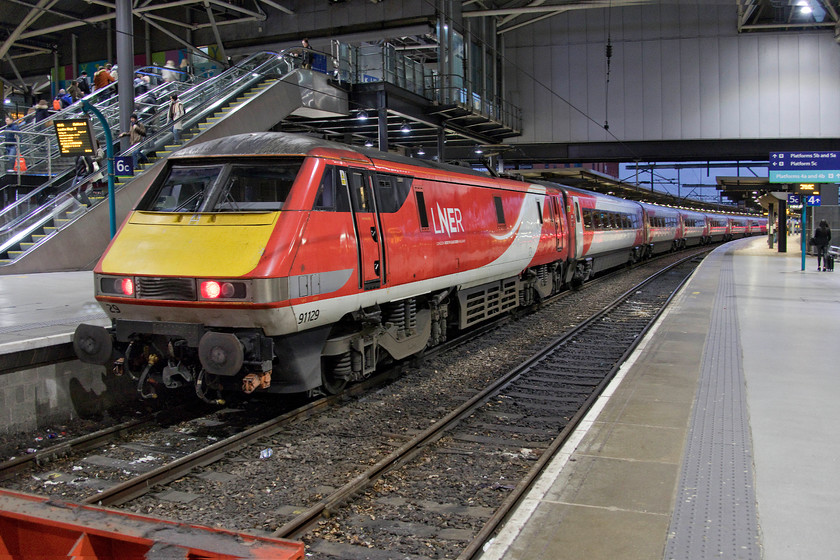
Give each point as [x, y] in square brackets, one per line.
[253, 96]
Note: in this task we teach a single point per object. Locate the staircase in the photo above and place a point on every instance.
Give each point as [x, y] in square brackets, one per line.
[71, 237]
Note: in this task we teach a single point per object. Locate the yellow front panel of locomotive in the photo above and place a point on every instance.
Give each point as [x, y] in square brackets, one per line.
[205, 245]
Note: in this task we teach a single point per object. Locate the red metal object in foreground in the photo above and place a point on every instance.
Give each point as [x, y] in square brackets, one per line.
[38, 527]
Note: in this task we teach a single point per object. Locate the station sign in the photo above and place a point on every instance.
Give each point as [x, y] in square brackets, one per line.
[794, 199]
[75, 137]
[811, 199]
[123, 166]
[804, 167]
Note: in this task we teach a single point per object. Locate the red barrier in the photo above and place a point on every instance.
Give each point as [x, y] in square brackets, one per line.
[38, 527]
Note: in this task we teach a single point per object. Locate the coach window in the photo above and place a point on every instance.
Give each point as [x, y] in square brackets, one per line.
[332, 196]
[587, 218]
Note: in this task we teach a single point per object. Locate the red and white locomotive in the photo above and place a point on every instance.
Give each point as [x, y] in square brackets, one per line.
[286, 263]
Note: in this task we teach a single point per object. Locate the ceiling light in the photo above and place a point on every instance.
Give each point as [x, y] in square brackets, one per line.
[369, 143]
[362, 115]
[478, 150]
[420, 151]
[405, 128]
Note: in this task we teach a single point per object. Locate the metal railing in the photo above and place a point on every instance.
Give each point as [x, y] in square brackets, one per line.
[55, 199]
[384, 64]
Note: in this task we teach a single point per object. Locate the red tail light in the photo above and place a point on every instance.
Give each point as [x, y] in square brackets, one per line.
[127, 286]
[210, 289]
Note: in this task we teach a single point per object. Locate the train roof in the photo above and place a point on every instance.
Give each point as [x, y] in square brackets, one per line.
[282, 143]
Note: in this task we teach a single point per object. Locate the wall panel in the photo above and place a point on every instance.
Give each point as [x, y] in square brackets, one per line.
[682, 72]
[703, 87]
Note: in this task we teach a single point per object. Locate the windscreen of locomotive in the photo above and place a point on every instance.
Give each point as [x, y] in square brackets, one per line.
[254, 187]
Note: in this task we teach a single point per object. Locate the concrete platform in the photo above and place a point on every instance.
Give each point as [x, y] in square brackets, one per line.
[40, 380]
[38, 310]
[717, 439]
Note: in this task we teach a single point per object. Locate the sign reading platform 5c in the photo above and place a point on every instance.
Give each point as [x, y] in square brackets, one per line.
[75, 137]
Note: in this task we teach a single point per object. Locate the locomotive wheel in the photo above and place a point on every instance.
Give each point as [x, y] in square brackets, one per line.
[332, 383]
[335, 372]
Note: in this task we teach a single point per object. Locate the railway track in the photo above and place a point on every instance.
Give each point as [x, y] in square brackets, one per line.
[519, 449]
[512, 428]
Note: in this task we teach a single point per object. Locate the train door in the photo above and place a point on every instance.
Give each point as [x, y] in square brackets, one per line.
[368, 235]
[578, 224]
[557, 218]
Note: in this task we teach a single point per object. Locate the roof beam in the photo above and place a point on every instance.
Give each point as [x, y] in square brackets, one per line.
[277, 6]
[171, 35]
[30, 18]
[215, 29]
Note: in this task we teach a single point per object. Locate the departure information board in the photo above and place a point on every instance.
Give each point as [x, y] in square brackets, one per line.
[75, 137]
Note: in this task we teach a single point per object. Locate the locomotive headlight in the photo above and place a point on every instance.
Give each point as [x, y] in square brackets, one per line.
[216, 289]
[117, 286]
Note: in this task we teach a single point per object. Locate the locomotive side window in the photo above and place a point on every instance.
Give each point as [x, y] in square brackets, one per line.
[332, 196]
[421, 209]
[391, 192]
[539, 211]
[500, 211]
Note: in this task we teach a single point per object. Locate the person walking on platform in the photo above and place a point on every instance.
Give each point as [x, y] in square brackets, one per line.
[822, 236]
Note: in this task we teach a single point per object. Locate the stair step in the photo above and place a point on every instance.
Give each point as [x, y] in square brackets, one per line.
[15, 254]
[26, 245]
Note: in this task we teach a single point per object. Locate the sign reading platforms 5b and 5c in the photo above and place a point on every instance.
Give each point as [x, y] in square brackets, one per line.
[804, 167]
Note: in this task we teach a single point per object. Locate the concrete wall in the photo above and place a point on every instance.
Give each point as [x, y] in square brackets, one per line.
[58, 393]
[678, 72]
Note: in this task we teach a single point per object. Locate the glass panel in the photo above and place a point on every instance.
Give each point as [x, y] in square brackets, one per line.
[183, 190]
[257, 188]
